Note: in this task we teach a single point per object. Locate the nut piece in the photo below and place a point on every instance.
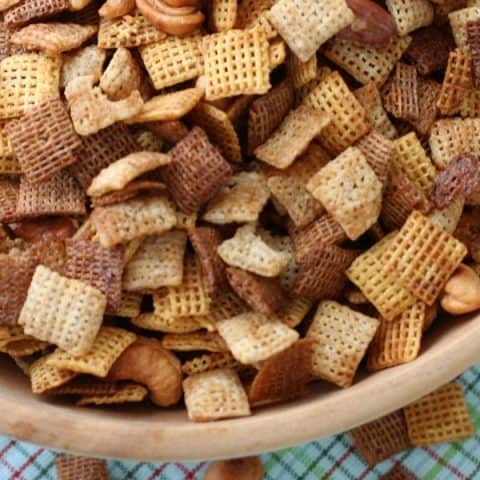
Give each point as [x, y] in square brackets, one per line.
[373, 25]
[148, 363]
[462, 292]
[248, 468]
[116, 8]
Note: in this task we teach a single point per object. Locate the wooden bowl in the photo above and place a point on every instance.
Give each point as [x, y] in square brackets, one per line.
[145, 433]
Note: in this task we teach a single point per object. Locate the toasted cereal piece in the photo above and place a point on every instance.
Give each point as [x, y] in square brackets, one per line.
[85, 61]
[295, 311]
[108, 346]
[130, 305]
[300, 73]
[401, 197]
[173, 60]
[27, 79]
[157, 263]
[267, 112]
[411, 158]
[305, 26]
[340, 340]
[81, 468]
[397, 341]
[219, 128]
[283, 376]
[277, 53]
[91, 110]
[12, 333]
[205, 241]
[122, 75]
[62, 311]
[457, 81]
[43, 139]
[409, 15]
[350, 191]
[241, 201]
[24, 348]
[122, 222]
[101, 149]
[215, 395]
[53, 38]
[292, 137]
[248, 251]
[149, 140]
[127, 31]
[197, 172]
[473, 36]
[467, 232]
[458, 22]
[225, 306]
[422, 257]
[440, 417]
[399, 472]
[367, 64]
[251, 337]
[9, 190]
[322, 275]
[210, 361]
[402, 97]
[448, 218]
[379, 152]
[237, 112]
[461, 177]
[9, 163]
[264, 295]
[429, 49]
[428, 93]
[370, 99]
[226, 76]
[320, 233]
[44, 377]
[26, 12]
[128, 393]
[59, 195]
[192, 342]
[252, 13]
[100, 267]
[222, 15]
[84, 385]
[470, 104]
[378, 440]
[15, 276]
[122, 171]
[170, 106]
[348, 120]
[164, 322]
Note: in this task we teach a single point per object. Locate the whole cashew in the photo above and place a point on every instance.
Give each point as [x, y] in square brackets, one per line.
[116, 8]
[248, 468]
[163, 7]
[173, 25]
[462, 292]
[148, 363]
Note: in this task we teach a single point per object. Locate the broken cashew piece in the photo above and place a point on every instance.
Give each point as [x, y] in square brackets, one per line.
[148, 363]
[248, 468]
[462, 292]
[116, 8]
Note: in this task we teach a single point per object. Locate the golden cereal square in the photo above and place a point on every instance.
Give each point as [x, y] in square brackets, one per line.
[44, 377]
[458, 22]
[62, 311]
[350, 191]
[410, 15]
[215, 395]
[440, 417]
[307, 24]
[422, 257]
[127, 393]
[341, 337]
[236, 63]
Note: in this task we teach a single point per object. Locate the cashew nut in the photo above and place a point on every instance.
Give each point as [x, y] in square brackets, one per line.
[148, 363]
[248, 468]
[183, 3]
[153, 11]
[116, 8]
[462, 292]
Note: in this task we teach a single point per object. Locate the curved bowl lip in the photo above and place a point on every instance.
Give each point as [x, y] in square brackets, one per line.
[100, 433]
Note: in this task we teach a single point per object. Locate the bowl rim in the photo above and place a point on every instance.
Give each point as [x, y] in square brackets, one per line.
[99, 433]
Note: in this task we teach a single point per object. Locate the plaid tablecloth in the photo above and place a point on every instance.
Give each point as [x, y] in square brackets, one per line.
[332, 458]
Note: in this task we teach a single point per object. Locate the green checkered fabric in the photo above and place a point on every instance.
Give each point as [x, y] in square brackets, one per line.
[331, 458]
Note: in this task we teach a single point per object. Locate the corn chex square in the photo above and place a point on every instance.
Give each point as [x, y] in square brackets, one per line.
[236, 63]
[341, 337]
[410, 15]
[62, 311]
[44, 377]
[350, 191]
[252, 337]
[307, 24]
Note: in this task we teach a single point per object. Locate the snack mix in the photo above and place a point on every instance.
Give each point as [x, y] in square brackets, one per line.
[217, 204]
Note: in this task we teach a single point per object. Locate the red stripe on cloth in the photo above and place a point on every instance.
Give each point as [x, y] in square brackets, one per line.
[440, 460]
[29, 461]
[4, 450]
[158, 471]
[338, 462]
